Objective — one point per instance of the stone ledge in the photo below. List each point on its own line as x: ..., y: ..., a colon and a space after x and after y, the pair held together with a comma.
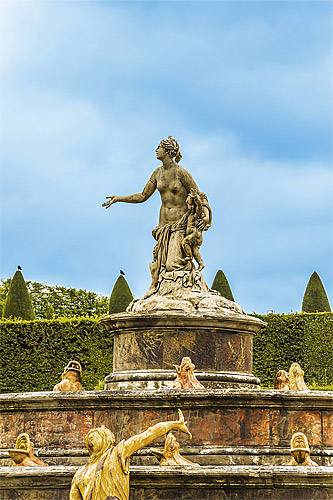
x: 157, y: 477
x: 137, y: 321
x: 204, y: 455
x: 170, y: 398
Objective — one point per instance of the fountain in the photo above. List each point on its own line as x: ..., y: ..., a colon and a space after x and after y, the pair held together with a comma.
x: 240, y: 433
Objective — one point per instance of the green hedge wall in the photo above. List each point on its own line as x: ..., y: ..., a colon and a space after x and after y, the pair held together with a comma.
x: 303, y: 338
x: 34, y: 353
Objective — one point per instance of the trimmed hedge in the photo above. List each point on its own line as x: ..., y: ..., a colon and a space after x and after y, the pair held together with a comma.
x: 303, y: 338
x: 34, y: 353
x: 121, y: 296
x: 315, y: 298
x: 18, y: 301
x: 221, y: 284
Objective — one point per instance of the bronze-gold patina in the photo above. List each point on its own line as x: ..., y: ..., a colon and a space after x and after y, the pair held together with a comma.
x: 300, y: 451
x: 281, y: 380
x: 23, y: 453
x: 185, y: 376
x: 71, y: 378
x: 106, y: 475
x: 170, y: 454
x: 296, y: 380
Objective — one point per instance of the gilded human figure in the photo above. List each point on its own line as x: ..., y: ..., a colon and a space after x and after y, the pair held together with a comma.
x: 106, y: 475
x: 300, y: 451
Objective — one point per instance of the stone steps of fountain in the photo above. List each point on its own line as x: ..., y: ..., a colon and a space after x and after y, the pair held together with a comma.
x: 180, y: 483
x: 203, y: 455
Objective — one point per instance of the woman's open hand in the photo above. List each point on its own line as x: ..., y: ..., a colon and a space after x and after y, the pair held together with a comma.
x: 113, y: 199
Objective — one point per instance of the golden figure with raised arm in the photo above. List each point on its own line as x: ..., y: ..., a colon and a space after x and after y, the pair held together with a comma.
x: 106, y: 475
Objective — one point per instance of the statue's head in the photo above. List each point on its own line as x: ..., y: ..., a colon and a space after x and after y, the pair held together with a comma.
x: 299, y: 447
x: 171, y: 146
x: 99, y: 440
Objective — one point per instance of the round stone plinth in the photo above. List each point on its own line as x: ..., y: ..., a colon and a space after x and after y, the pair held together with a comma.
x: 163, y: 379
x: 147, y: 346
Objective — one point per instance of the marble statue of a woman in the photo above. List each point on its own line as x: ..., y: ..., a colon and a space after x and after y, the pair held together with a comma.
x: 174, y: 275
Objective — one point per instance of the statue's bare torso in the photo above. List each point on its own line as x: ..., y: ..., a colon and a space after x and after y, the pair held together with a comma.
x: 173, y: 184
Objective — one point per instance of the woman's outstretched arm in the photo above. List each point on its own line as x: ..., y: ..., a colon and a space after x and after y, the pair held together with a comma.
x: 146, y: 193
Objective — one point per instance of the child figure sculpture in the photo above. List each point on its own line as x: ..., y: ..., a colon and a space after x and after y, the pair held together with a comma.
x: 195, y: 225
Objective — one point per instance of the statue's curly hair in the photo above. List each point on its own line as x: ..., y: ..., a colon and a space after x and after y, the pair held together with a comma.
x: 171, y: 146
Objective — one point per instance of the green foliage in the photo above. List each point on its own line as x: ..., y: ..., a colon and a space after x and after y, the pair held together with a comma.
x: 100, y: 386
x: 315, y: 298
x: 34, y: 353
x: 66, y: 302
x: 49, y: 312
x: 221, y: 284
x: 18, y: 301
x: 121, y: 296
x: 303, y: 338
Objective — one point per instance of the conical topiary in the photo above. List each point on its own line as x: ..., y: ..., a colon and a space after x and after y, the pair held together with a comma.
x: 18, y: 301
x: 121, y: 296
x: 221, y: 284
x: 315, y: 298
x: 49, y: 311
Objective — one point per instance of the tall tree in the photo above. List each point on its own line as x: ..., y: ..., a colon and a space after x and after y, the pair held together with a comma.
x: 18, y: 302
x: 121, y: 296
x: 315, y: 297
x: 221, y: 284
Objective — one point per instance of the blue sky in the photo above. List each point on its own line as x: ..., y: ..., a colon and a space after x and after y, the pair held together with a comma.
x: 89, y: 88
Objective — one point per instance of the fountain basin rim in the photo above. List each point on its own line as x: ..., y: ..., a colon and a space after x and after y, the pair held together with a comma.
x: 164, y: 398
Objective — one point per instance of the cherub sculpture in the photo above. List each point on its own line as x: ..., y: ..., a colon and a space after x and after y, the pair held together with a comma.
x: 106, y: 475
x: 23, y: 453
x: 71, y: 378
x: 300, y: 451
x: 194, y: 226
x: 281, y: 380
x: 170, y: 455
x: 185, y: 376
x: 296, y: 380
x: 293, y: 380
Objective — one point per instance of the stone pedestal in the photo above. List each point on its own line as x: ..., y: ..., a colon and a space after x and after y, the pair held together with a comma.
x: 147, y: 345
